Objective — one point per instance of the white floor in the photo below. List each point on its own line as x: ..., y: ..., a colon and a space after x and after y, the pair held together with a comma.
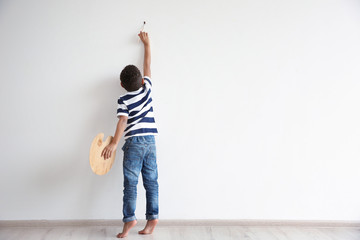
x: 183, y: 232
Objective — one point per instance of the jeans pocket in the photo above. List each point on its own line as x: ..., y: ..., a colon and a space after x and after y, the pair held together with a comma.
x: 125, y: 146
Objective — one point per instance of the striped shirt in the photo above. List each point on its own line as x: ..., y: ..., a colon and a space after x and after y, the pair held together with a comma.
x: 137, y: 106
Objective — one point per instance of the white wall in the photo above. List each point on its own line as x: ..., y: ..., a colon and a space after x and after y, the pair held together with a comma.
x: 257, y: 106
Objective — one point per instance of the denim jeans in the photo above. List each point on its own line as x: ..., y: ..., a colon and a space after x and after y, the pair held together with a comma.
x: 140, y: 155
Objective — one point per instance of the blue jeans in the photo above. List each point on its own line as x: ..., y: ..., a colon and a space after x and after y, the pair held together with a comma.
x: 140, y: 155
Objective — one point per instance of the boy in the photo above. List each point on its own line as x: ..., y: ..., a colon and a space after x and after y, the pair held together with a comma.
x: 136, y: 121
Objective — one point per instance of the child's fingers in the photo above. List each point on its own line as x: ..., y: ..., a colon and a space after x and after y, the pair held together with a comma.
x: 105, y: 153
x: 143, y: 35
x: 108, y: 155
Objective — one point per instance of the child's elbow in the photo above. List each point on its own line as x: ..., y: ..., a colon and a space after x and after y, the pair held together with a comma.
x: 123, y: 119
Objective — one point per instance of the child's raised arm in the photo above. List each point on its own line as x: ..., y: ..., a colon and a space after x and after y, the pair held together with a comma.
x: 147, y: 56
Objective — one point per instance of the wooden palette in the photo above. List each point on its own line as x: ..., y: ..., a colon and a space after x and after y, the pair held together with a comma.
x: 98, y: 164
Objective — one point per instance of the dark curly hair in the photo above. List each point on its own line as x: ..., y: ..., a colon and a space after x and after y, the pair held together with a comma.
x: 131, y: 78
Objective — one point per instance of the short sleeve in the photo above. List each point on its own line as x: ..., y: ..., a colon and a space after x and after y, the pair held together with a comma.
x: 147, y: 81
x: 122, y: 108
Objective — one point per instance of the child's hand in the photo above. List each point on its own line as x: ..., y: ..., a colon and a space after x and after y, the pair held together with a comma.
x: 144, y: 38
x: 108, y: 150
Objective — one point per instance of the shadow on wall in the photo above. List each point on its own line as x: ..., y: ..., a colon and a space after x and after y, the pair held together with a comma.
x: 65, y: 178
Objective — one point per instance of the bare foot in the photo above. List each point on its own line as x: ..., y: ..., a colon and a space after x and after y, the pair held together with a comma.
x: 150, y: 226
x: 126, y: 229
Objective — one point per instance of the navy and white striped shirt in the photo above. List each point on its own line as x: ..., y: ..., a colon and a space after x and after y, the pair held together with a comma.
x: 137, y: 106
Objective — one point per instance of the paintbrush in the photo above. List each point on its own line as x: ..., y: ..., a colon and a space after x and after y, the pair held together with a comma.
x: 142, y: 29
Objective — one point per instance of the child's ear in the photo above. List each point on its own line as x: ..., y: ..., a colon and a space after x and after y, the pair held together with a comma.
x: 122, y: 84
x: 143, y: 82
